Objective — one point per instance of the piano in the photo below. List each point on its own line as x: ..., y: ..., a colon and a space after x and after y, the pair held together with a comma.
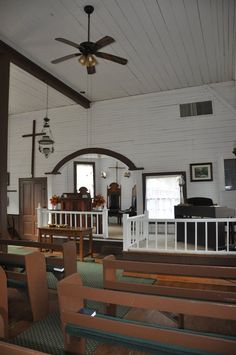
x: 191, y: 211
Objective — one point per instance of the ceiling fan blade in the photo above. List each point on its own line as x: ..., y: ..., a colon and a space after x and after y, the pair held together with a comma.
x: 104, y: 42
x: 66, y: 41
x: 91, y: 70
x: 66, y: 57
x: 112, y: 57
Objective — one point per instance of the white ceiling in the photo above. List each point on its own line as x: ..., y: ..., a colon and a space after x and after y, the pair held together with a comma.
x: 169, y: 44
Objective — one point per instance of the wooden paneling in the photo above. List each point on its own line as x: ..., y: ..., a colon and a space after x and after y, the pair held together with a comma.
x: 147, y: 129
x: 169, y: 44
x: 21, y: 83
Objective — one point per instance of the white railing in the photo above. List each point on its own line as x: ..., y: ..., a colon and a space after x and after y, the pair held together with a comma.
x: 200, y: 235
x: 98, y: 220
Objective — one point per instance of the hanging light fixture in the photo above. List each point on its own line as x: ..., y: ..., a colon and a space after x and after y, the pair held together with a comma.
x: 88, y: 59
x: 46, y: 142
x: 103, y: 174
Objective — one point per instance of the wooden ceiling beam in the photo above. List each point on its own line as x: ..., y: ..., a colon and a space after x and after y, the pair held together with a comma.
x: 26, y: 64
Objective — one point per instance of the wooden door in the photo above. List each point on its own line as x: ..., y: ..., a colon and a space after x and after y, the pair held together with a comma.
x: 32, y: 192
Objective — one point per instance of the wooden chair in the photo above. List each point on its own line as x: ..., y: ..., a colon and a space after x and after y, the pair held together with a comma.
x: 114, y: 201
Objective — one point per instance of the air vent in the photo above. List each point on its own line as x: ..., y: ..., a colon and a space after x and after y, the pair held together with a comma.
x: 196, y: 109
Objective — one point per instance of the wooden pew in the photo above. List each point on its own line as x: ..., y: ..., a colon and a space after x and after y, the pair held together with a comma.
x: 110, y: 281
x: 172, y: 272
x: 77, y: 327
x: 34, y: 279
x: 68, y: 249
x: 3, y: 305
x: 11, y: 349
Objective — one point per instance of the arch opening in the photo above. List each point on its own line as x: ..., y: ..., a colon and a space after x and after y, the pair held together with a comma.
x: 95, y: 150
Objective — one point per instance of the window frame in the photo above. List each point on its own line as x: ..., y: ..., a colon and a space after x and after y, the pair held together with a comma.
x: 92, y: 163
x: 145, y: 175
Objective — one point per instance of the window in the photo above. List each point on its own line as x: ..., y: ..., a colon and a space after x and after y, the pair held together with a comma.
x: 196, y: 109
x: 84, y: 175
x: 230, y: 174
x: 162, y: 193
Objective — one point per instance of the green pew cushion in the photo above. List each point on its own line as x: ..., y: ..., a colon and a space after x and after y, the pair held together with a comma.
x: 132, y: 342
x: 16, y: 284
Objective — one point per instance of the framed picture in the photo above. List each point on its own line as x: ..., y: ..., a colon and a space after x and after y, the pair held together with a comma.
x: 201, y: 172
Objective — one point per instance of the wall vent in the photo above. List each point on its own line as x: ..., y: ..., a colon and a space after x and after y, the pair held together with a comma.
x: 196, y: 109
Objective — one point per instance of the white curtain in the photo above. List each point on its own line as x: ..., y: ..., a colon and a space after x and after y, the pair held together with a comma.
x: 162, y: 194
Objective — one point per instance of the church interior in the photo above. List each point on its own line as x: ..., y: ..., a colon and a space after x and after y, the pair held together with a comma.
x: 118, y: 177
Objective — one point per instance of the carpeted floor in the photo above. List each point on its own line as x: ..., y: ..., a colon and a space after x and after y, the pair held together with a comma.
x: 46, y: 335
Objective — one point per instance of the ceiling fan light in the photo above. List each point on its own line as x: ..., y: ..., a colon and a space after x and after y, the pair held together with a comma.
x: 83, y: 59
x: 91, y: 60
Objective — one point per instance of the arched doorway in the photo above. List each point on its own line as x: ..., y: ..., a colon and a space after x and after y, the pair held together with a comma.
x: 100, y: 151
x: 95, y: 150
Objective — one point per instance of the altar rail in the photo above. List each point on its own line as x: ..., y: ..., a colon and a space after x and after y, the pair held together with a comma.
x: 98, y: 220
x: 173, y: 235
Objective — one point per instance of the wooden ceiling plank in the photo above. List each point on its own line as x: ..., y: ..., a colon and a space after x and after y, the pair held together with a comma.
x: 178, y: 50
x: 139, y: 62
x: 208, y: 35
x: 182, y: 21
x: 220, y: 27
x: 168, y: 48
x: 161, y: 68
x: 131, y: 22
x: 232, y: 38
x: 34, y: 69
x: 195, y: 28
x: 215, y: 40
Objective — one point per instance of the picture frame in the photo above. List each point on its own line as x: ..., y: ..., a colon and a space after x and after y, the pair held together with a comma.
x: 201, y: 172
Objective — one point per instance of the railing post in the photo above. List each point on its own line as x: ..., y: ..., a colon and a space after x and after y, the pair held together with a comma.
x: 39, y: 210
x: 146, y: 225
x: 105, y: 223
x: 47, y: 216
x: 126, y: 232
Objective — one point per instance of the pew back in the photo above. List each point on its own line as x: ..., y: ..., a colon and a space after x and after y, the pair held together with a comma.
x: 11, y: 349
x: 34, y: 277
x: 73, y: 295
x: 68, y: 249
x: 110, y: 280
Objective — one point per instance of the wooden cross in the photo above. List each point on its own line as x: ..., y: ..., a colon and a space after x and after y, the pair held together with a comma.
x: 117, y: 167
x: 33, y: 135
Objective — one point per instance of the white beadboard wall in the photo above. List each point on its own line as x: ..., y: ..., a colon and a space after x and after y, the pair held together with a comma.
x: 147, y: 129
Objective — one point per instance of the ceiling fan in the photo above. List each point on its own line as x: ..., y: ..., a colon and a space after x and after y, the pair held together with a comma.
x: 89, y: 50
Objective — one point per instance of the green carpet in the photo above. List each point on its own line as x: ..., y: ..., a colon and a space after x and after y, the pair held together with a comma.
x: 46, y: 335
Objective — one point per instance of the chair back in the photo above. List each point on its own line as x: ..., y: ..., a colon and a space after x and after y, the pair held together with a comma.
x: 114, y: 196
